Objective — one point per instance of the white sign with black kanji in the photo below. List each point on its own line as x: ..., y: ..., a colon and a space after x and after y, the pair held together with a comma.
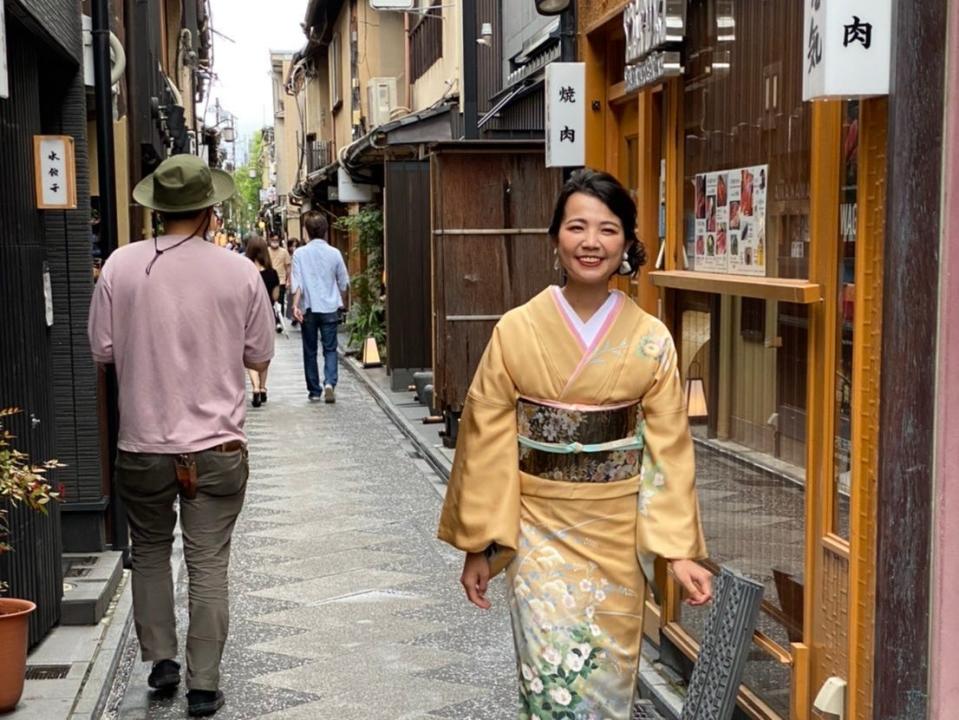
x: 846, y: 48
x: 55, y: 168
x: 565, y: 114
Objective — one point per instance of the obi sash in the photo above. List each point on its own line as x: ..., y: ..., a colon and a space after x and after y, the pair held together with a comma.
x: 573, y: 443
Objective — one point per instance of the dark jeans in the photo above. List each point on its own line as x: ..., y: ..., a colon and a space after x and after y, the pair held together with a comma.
x: 324, y: 325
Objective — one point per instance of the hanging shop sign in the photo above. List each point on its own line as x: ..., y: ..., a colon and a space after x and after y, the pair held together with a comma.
x: 731, y: 221
x: 565, y: 114
x: 652, y: 69
x: 55, y: 171
x: 847, y: 48
x: 651, y: 26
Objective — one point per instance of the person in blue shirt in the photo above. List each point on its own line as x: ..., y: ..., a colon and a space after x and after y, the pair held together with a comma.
x: 320, y: 283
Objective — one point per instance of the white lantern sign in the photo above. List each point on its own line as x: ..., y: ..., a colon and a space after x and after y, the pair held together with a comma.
x: 846, y: 48
x: 565, y: 114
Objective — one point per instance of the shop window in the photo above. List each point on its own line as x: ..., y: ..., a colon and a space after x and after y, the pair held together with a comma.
x: 743, y: 111
x: 749, y: 462
x: 748, y: 131
x: 848, y: 192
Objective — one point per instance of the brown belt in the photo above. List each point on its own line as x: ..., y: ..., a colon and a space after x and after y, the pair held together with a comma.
x: 231, y: 446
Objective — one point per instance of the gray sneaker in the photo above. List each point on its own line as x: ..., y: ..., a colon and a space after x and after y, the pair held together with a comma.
x: 329, y: 394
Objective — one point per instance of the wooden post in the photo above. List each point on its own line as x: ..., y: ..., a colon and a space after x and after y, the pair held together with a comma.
x: 908, y: 383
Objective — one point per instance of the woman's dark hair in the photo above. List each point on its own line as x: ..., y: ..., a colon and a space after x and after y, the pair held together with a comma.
x: 257, y: 251
x: 608, y: 190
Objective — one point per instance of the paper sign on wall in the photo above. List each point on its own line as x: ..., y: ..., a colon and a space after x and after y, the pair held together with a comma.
x: 731, y: 221
x: 56, y: 172
x: 565, y: 114
x: 846, y: 49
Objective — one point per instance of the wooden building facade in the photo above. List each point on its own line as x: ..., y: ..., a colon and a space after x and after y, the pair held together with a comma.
x: 788, y: 354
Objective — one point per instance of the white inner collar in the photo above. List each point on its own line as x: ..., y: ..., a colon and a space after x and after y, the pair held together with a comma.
x: 588, y: 330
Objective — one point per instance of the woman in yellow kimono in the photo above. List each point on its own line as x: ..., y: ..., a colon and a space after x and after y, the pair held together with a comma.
x: 574, y: 467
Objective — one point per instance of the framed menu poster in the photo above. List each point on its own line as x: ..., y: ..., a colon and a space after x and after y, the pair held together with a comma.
x: 731, y: 221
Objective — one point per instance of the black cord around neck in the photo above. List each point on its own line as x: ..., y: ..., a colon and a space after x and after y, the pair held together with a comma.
x: 205, y: 225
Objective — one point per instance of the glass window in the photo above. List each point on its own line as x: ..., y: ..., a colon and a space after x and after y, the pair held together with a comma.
x: 849, y: 183
x: 743, y: 110
x: 747, y: 150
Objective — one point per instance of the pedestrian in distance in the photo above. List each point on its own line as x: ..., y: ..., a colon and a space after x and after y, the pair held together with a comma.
x: 320, y: 284
x: 181, y: 320
x: 574, y: 467
x: 291, y: 246
x: 257, y: 251
x: 282, y: 263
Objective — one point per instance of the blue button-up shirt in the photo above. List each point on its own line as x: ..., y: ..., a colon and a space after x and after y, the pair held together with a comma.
x: 319, y: 271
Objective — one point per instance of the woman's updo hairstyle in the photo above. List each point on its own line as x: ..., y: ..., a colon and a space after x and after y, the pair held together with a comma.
x: 608, y: 190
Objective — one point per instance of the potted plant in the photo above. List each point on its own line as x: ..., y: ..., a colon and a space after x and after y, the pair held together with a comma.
x: 21, y: 483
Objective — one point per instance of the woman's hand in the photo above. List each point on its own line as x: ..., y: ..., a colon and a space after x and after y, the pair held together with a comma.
x: 475, y: 579
x: 695, y: 579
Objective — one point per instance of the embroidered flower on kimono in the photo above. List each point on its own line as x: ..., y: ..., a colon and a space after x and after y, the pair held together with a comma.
x: 585, y: 649
x: 590, y: 612
x: 548, y: 557
x: 600, y: 596
x: 652, y: 347
x: 543, y: 608
x: 659, y: 480
x: 536, y: 685
x: 603, y: 582
x: 574, y: 662
x: 569, y: 601
x: 644, y: 497
x: 585, y: 585
x: 595, y: 630
x: 520, y: 587
x: 560, y: 696
x: 552, y: 656
x: 527, y: 672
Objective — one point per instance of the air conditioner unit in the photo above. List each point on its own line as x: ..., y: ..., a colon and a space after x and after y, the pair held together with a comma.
x: 381, y: 94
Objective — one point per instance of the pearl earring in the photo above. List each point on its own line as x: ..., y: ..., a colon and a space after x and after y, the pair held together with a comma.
x: 556, y: 260
x: 625, y: 268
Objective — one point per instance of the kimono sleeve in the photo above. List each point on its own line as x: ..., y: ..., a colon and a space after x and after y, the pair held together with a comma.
x: 482, y: 499
x: 669, y: 524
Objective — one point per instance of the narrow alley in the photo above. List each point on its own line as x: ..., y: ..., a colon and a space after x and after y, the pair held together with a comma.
x: 343, y: 603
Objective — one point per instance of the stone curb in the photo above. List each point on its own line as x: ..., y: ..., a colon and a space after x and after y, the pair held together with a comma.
x: 92, y: 698
x: 440, y: 465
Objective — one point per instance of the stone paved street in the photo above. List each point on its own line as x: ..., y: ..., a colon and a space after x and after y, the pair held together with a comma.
x: 343, y: 603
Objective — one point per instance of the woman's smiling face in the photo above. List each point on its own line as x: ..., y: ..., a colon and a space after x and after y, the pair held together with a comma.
x: 591, y: 240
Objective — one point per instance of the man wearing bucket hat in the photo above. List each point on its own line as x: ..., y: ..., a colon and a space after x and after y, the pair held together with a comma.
x: 181, y: 319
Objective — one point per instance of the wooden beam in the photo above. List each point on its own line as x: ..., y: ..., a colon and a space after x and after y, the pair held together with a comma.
x: 802, y: 292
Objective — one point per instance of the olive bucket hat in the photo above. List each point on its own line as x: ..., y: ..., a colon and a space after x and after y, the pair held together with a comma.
x: 183, y: 183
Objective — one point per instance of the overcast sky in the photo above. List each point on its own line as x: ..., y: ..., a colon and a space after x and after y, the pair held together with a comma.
x: 243, y: 67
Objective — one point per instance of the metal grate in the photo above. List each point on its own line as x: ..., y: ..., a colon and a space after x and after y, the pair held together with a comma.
x: 645, y: 710
x: 47, y: 672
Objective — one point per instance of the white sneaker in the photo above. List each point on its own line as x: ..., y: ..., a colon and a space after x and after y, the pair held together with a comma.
x: 329, y: 394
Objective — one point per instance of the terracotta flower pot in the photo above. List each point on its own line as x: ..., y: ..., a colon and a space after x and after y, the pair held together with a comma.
x: 13, y: 649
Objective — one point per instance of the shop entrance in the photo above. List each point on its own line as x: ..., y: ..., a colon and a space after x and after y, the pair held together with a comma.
x: 772, y: 222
